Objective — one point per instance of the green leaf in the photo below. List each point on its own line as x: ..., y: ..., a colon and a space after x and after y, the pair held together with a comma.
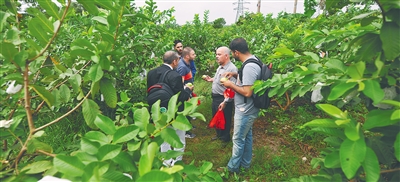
x: 198, y: 116
x: 3, y: 19
x: 361, y: 16
x: 373, y: 90
x: 206, y: 167
x: 82, y: 53
x: 330, y: 123
x: 397, y: 147
x: 169, y: 135
x: 108, y: 151
x: 100, y: 20
x: 44, y: 94
x: 84, y: 43
x: 125, y: 134
x: 8, y: 51
x: 352, y: 132
x: 50, y: 7
x: 370, y: 45
x: 182, y: 123
x: 21, y: 57
x: 44, y: 21
x: 89, y: 6
x: 105, y: 124
x: 395, y: 115
x: 332, y: 160
x: 124, y: 159
x: 97, y: 136
x: 336, y: 64
x: 352, y: 153
x: 124, y: 97
x: 90, y: 147
x: 340, y: 89
x: 342, y: 122
x: 109, y: 92
x: 390, y: 40
x: 371, y: 166
x: 378, y: 118
x: 37, y: 167
x: 90, y: 110
x: 65, y: 93
x: 134, y: 145
x: 356, y: 71
x: 314, y: 56
x: 146, y: 160
x: 70, y: 165
x: 95, y: 73
x: 36, y: 30
x: 106, y: 5
x: 156, y: 176
x: 94, y: 171
x: 141, y: 118
x: 35, y: 145
x: 332, y: 110
x: 283, y: 51
x: 391, y: 102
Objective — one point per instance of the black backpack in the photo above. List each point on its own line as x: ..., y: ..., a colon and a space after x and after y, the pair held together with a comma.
x: 160, y: 91
x: 260, y: 101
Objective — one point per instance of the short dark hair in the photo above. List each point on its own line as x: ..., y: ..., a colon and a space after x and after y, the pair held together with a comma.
x: 239, y: 44
x: 186, y: 51
x: 177, y: 41
x: 170, y: 56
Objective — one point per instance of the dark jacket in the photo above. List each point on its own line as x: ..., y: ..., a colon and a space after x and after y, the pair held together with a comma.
x: 173, y: 79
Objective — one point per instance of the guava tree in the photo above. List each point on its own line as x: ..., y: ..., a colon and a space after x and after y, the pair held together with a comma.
x: 359, y: 65
x: 50, y: 64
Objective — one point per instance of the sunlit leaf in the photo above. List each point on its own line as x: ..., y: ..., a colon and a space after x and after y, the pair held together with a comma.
x: 108, y: 151
x: 146, y: 160
x: 89, y: 6
x: 332, y: 160
x: 352, y: 153
x: 90, y: 110
x: 156, y: 176
x: 371, y: 166
x: 340, y: 89
x: 182, y: 123
x: 169, y: 135
x: 109, y: 92
x: 8, y: 50
x: 332, y: 110
x: 96, y: 73
x: 70, y: 165
x: 105, y: 124
x: 50, y: 7
x: 125, y: 134
x: 44, y: 94
x: 356, y: 71
x: 373, y: 90
x: 321, y: 123
x: 37, y: 167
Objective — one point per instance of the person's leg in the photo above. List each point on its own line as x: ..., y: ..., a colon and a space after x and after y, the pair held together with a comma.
x: 240, y: 129
x: 226, y: 133
x: 248, y: 146
x: 164, y: 148
x: 181, y: 135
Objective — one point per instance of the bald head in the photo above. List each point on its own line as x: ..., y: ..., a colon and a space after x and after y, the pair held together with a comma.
x: 222, y: 55
x: 170, y: 56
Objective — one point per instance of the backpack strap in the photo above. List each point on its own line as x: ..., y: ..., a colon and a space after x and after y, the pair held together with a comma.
x: 240, y: 71
x: 161, y: 80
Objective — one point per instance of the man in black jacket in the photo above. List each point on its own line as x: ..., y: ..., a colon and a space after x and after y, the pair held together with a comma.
x: 174, y: 80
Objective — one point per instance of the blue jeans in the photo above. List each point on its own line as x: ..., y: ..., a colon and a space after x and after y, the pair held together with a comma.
x: 242, y: 150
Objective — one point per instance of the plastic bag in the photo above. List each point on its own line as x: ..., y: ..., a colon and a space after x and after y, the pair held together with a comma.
x: 218, y: 121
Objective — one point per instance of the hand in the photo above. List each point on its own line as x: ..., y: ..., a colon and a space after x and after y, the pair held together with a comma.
x: 226, y: 83
x: 207, y: 78
x: 222, y: 106
x: 229, y: 75
x: 190, y: 86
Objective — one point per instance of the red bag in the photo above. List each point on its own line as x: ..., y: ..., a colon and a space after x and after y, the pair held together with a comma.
x: 218, y: 121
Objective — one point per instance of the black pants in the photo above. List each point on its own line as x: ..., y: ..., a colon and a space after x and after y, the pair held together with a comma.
x: 224, y: 135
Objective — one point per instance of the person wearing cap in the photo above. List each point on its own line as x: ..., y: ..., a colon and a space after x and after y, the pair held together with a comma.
x: 219, y: 101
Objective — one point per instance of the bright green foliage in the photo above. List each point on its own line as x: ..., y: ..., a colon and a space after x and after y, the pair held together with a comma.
x: 94, y: 55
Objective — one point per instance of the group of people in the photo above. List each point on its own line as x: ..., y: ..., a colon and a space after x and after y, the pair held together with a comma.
x: 182, y: 61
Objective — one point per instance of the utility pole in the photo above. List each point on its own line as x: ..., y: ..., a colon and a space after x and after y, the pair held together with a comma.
x: 295, y: 6
x: 258, y: 6
x: 240, y: 9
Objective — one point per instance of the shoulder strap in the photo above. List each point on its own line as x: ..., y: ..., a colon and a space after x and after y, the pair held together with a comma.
x: 163, y: 76
x: 251, y: 60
